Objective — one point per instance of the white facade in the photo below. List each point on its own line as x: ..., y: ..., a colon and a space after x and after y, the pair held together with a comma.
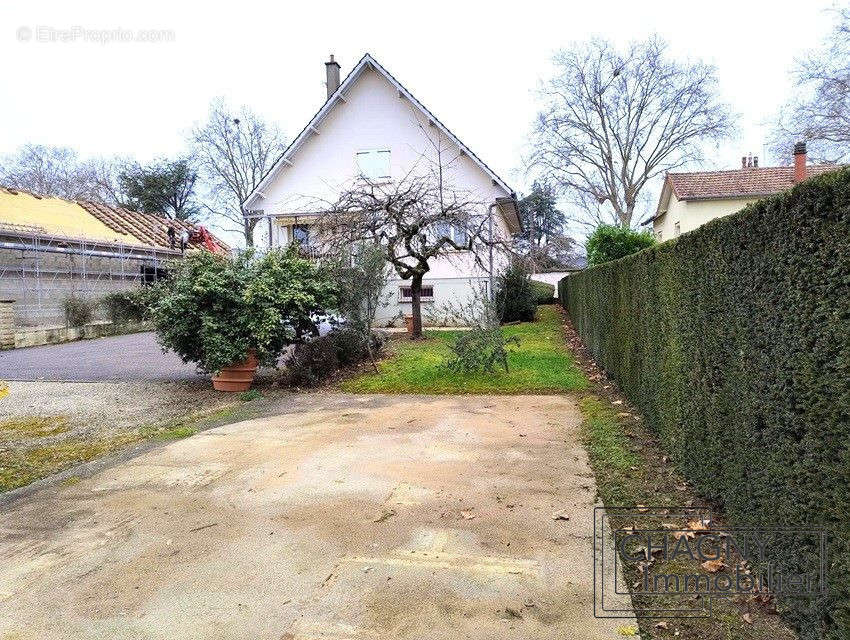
x: 372, y: 125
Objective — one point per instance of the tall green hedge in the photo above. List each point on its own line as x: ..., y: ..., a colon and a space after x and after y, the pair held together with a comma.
x: 734, y: 342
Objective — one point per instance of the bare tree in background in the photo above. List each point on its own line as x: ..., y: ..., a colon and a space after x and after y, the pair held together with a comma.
x: 412, y: 221
x: 820, y: 113
x: 233, y: 151
x: 59, y: 172
x: 612, y: 122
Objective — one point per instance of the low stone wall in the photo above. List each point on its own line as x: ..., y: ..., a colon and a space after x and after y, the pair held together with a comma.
x: 14, y: 337
x: 35, y: 336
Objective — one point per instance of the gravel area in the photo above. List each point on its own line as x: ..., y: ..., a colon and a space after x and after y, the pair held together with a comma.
x: 104, y: 408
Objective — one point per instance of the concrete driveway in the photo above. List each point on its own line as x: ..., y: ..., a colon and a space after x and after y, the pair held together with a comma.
x: 345, y: 518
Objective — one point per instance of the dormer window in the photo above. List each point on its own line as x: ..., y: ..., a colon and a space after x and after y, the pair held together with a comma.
x: 374, y: 165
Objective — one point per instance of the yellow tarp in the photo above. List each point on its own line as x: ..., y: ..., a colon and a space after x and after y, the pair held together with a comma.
x: 56, y: 217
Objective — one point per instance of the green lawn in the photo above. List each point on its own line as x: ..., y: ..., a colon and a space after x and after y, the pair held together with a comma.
x: 541, y: 363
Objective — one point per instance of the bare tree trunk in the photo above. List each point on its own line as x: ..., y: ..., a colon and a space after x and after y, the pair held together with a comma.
x: 416, y: 306
x: 249, y: 232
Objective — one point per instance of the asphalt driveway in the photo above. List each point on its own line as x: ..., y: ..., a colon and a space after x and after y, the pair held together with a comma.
x: 345, y: 518
x: 135, y: 356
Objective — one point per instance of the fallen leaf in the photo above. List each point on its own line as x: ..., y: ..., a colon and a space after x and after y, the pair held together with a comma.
x: 560, y: 515
x: 713, y: 566
x: 697, y: 525
x: 628, y: 630
x: 662, y: 625
x: 747, y: 618
x: 467, y: 515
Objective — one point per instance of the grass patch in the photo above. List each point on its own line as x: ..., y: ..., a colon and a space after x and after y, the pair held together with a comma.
x: 14, y: 429
x: 541, y: 363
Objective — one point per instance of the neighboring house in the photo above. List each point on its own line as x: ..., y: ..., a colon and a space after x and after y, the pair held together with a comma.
x: 372, y: 126
x: 689, y: 200
x: 51, y: 248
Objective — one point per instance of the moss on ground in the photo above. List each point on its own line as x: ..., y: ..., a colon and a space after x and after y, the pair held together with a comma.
x: 15, y: 429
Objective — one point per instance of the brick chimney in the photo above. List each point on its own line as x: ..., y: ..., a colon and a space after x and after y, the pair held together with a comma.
x: 332, y: 71
x: 799, y: 162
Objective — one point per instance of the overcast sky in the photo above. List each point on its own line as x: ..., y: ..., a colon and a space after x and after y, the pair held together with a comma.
x: 475, y: 65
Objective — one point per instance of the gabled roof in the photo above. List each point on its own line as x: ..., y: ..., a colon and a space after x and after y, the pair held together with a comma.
x: 367, y: 61
x: 149, y: 228
x: 39, y: 215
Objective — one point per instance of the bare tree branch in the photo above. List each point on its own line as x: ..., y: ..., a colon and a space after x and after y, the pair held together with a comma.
x: 820, y: 112
x: 233, y: 151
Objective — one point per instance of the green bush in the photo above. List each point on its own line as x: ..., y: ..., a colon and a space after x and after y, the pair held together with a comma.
x: 733, y: 342
x: 515, y: 298
x: 78, y: 311
x: 124, y: 307
x: 608, y: 242
x: 214, y: 310
x: 544, y: 293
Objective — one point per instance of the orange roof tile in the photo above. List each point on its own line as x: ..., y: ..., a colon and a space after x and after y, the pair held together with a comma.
x: 738, y: 183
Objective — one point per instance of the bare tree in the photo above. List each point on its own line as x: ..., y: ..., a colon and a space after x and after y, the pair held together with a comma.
x: 820, y: 112
x: 234, y: 150
x: 412, y: 221
x: 59, y: 172
x: 611, y: 122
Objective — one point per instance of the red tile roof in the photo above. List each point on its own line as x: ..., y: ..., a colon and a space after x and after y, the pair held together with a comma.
x: 738, y: 183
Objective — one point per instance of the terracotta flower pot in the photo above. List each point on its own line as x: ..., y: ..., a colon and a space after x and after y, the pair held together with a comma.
x: 408, y: 322
x: 237, y: 377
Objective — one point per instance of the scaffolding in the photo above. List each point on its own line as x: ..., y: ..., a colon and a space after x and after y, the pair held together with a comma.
x: 39, y: 269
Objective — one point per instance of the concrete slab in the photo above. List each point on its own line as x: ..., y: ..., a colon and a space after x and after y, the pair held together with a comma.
x: 347, y: 517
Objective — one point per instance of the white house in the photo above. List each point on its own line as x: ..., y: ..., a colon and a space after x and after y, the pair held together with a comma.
x: 371, y: 125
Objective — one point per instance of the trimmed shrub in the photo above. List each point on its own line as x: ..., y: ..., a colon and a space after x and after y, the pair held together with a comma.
x: 78, y: 311
x: 733, y: 342
x: 214, y: 310
x: 544, y: 293
x: 609, y: 242
x: 515, y: 299
x: 124, y: 307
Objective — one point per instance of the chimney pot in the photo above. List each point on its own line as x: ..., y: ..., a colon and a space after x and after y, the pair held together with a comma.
x: 755, y: 161
x: 743, y: 162
x: 332, y: 73
x: 799, y: 162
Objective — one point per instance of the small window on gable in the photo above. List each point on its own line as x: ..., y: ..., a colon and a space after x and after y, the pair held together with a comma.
x: 658, y: 235
x: 405, y: 294
x: 677, y: 229
x: 374, y: 165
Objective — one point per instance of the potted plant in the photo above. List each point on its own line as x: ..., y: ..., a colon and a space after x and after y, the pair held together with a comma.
x: 229, y: 315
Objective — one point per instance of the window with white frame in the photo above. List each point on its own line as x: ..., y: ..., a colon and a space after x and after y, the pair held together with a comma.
x: 677, y: 229
x: 455, y: 232
x: 658, y: 235
x: 374, y: 165
x: 405, y: 293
